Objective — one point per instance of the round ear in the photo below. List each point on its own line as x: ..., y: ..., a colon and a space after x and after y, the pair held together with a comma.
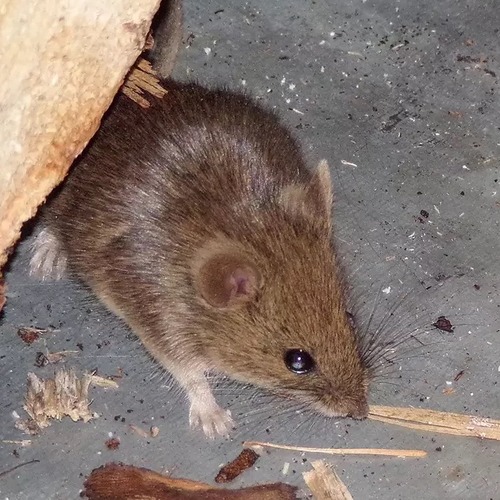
x: 322, y: 186
x: 315, y: 198
x: 226, y: 279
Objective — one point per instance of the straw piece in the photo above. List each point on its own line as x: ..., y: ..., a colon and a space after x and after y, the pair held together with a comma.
x: 324, y: 482
x: 438, y: 421
x: 341, y: 451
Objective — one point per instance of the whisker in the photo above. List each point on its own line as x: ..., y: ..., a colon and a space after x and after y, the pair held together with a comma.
x: 381, y: 344
x: 375, y: 304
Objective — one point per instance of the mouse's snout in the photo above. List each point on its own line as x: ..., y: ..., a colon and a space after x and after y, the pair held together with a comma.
x: 356, y: 408
x: 351, y: 403
x: 352, y: 408
x: 359, y: 410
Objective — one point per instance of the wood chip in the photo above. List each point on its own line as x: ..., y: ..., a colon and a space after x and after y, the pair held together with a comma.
x: 64, y: 395
x: 125, y: 482
x: 437, y: 421
x: 112, y: 443
x: 444, y: 324
x: 50, y: 358
x: 139, y: 431
x: 20, y: 442
x: 233, y: 469
x: 29, y: 334
x: 104, y: 382
x: 141, y: 79
x: 286, y: 468
x: 149, y: 42
x: 324, y: 483
x: 340, y: 451
x: 153, y: 431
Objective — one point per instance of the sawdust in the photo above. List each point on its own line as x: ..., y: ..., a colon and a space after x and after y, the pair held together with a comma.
x: 65, y: 395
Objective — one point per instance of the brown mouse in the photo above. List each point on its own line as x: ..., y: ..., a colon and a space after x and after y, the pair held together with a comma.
x: 198, y: 222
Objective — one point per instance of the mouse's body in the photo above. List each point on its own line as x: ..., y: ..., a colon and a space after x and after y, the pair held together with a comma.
x: 198, y: 223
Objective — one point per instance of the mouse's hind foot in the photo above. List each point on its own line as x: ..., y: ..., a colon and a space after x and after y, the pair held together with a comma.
x: 48, y: 260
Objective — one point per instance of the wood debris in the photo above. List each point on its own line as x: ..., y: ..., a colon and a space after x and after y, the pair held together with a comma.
x: 438, y: 421
x: 233, y: 469
x: 50, y: 358
x: 104, y: 382
x: 142, y: 79
x: 29, y: 334
x: 153, y: 431
x: 124, y: 482
x: 64, y: 395
x: 324, y: 482
x: 112, y: 443
x: 340, y: 451
x: 23, y: 443
x: 444, y: 324
x: 149, y: 44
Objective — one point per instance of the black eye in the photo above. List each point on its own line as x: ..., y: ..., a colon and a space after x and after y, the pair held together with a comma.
x: 299, y: 361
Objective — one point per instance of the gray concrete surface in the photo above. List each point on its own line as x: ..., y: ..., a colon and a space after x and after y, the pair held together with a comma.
x: 402, y: 98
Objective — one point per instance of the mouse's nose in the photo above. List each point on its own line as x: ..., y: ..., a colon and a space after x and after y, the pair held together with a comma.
x: 337, y: 404
x: 358, y: 409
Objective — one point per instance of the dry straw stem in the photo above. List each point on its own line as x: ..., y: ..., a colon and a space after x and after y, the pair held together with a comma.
x: 340, y: 451
x: 20, y: 442
x: 324, y: 482
x: 438, y: 421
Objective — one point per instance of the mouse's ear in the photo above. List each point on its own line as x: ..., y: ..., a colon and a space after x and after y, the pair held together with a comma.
x: 322, y: 186
x: 226, y: 279
x: 313, y: 199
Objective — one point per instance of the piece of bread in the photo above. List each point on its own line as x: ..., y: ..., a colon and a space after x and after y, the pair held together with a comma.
x: 61, y: 65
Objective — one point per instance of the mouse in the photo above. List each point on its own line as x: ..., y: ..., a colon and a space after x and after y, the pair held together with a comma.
x: 199, y: 223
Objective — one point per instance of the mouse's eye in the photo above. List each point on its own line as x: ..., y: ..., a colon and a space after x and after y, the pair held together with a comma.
x: 299, y: 361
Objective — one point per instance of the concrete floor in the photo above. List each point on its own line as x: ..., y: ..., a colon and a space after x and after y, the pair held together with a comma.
x: 402, y: 98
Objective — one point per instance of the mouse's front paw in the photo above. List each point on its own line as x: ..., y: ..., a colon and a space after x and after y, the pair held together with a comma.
x: 214, y: 420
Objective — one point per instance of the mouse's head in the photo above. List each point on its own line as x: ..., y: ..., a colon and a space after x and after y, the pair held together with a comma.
x: 273, y: 308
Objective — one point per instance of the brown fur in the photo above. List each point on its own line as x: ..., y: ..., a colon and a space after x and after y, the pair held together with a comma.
x: 203, y: 189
